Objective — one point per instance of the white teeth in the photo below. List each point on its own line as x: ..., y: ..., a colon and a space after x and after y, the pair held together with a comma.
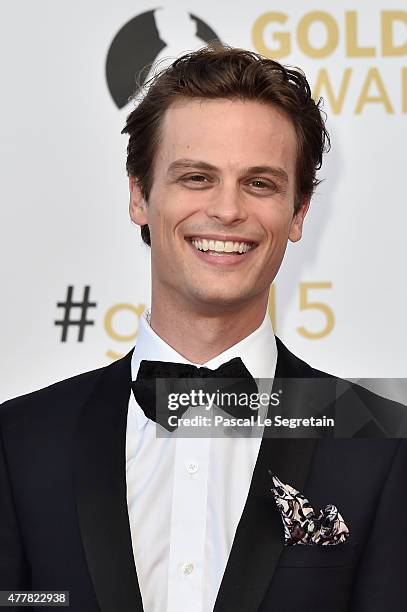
x: 220, y: 246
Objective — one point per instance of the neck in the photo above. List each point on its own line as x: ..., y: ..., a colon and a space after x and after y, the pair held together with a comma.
x: 202, y: 335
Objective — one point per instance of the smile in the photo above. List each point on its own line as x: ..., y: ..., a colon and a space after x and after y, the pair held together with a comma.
x: 221, y: 252
x: 221, y: 246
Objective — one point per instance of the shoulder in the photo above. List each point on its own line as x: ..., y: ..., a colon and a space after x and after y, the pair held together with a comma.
x: 66, y: 393
x: 297, y: 367
x: 370, y: 414
x: 386, y: 413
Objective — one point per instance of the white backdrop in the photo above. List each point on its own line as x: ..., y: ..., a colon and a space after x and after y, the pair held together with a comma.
x: 64, y: 212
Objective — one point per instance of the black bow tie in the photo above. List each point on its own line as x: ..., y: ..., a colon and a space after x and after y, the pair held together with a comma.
x: 231, y: 377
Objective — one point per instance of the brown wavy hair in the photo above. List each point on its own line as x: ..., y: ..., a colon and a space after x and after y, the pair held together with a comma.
x: 218, y: 71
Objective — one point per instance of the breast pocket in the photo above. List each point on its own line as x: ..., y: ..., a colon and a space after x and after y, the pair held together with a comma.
x: 339, y: 555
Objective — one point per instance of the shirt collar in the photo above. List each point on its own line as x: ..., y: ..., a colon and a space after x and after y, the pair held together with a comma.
x: 258, y: 352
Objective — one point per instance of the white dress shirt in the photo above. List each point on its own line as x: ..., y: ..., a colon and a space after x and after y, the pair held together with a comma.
x: 185, y: 495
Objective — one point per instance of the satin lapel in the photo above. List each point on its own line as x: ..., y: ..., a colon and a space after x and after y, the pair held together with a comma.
x: 100, y: 485
x: 259, y: 538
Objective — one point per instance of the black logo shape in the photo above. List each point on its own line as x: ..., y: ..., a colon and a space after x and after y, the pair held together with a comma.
x: 145, y: 39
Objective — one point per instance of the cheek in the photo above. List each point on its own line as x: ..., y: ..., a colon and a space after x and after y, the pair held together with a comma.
x: 156, y: 212
x: 277, y: 224
x: 168, y: 207
x: 163, y: 223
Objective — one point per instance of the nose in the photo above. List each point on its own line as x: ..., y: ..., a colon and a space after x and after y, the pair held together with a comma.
x: 227, y: 205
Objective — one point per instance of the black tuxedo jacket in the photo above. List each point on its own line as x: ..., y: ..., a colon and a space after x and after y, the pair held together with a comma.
x: 64, y: 522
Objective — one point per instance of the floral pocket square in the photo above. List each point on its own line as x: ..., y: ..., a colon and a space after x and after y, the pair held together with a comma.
x: 301, y: 523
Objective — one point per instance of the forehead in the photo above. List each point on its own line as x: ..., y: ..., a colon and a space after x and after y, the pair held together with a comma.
x: 228, y: 133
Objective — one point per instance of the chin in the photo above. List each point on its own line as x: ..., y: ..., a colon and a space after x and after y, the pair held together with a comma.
x: 218, y: 298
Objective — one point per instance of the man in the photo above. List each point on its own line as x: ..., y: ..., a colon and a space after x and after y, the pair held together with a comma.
x: 98, y: 499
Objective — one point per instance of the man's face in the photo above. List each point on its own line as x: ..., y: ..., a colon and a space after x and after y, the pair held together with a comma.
x: 224, y: 179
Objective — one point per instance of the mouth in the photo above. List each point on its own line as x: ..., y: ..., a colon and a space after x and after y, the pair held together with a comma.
x: 215, y: 251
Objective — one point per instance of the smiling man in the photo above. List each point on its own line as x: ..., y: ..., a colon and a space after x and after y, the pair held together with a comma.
x: 226, y: 171
x: 101, y: 496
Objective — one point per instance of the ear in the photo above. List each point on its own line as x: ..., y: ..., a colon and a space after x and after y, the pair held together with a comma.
x: 297, y: 221
x: 138, y: 205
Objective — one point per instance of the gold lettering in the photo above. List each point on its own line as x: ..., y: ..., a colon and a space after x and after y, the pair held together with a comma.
x: 282, y: 38
x: 352, y: 47
x: 306, y: 304
x: 108, y: 322
x: 331, y: 29
x: 373, y: 77
x: 271, y: 307
x: 323, y: 83
x: 388, y: 19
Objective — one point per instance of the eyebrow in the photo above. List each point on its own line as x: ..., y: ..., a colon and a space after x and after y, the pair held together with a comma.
x: 183, y: 164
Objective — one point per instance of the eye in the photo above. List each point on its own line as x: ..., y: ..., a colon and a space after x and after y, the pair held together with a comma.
x: 195, y: 178
x: 263, y: 187
x: 260, y: 184
x: 195, y: 181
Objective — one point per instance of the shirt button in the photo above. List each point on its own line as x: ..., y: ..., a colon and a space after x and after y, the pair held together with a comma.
x: 187, y: 568
x: 192, y: 468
